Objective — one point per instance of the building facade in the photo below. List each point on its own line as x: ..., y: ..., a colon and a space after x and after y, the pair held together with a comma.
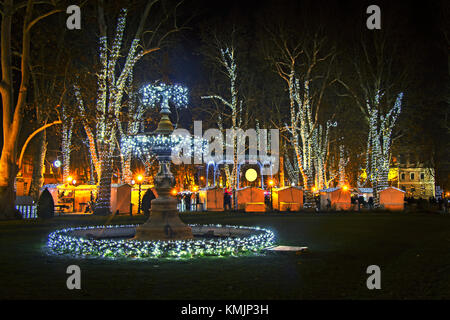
x: 417, y: 182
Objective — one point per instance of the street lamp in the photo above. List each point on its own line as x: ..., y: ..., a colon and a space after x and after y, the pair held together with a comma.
x: 139, y: 179
x: 57, y: 163
x: 271, y: 198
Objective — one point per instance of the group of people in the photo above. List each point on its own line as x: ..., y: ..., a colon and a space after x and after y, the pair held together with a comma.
x: 441, y: 203
x: 361, y: 201
x: 189, y: 200
x: 227, y: 199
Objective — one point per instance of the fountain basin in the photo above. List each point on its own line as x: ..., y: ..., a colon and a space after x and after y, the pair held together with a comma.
x: 115, y: 241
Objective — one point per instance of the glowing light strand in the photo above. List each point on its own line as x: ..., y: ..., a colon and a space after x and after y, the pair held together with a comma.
x: 61, y: 242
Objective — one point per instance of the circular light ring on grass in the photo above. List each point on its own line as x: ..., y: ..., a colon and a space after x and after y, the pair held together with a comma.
x: 251, y: 240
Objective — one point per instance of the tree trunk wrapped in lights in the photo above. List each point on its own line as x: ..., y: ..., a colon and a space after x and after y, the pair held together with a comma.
x: 109, y: 101
x: 306, y: 68
x: 320, y: 142
x: 297, y: 118
x: 228, y: 61
x: 66, y: 144
x: 292, y: 170
x: 135, y: 114
x: 310, y: 141
x: 379, y: 142
x: 343, y: 161
x: 381, y: 78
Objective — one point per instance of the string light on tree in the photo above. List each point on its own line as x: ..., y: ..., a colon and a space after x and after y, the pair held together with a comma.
x: 379, y: 141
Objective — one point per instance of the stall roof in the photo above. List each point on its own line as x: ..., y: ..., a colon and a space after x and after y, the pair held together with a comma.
x: 248, y: 188
x: 394, y: 189
x: 287, y: 187
x: 365, y: 190
x: 330, y: 189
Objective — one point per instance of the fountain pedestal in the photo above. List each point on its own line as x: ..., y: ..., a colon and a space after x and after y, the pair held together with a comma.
x: 164, y: 222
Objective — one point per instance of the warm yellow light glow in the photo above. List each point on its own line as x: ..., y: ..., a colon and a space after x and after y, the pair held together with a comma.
x: 202, y: 178
x: 345, y: 188
x: 69, y: 179
x: 173, y: 192
x: 271, y: 182
x: 140, y: 178
x: 195, y: 188
x: 363, y: 174
x: 393, y: 174
x: 314, y: 189
x: 251, y: 175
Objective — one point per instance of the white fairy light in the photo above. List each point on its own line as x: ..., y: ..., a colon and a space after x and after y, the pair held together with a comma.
x: 64, y: 242
x: 379, y: 142
x: 161, y: 93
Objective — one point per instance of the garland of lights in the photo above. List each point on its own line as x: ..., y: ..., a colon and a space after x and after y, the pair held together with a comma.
x: 66, y: 143
x: 61, y: 242
x: 140, y: 144
x: 162, y: 93
x: 342, y: 164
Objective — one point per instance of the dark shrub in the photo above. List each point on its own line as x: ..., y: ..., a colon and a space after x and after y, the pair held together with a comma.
x: 146, y: 202
x: 45, y: 205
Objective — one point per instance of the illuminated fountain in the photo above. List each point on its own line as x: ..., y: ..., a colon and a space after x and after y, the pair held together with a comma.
x: 163, y: 234
x: 164, y: 222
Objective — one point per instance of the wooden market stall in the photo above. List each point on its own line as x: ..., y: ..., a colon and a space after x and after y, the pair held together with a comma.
x: 335, y: 199
x: 212, y: 199
x: 135, y: 195
x: 392, y: 199
x: 251, y: 199
x: 120, y: 198
x: 69, y: 198
x: 287, y: 198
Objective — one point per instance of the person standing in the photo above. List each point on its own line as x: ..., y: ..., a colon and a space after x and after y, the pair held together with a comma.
x: 227, y: 199
x: 187, y: 201
x: 370, y: 202
x: 447, y: 204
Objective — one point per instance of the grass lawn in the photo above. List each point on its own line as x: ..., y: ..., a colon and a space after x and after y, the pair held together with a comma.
x: 412, y: 250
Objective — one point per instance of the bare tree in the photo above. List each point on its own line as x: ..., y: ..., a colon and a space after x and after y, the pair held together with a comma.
x: 306, y: 67
x: 379, y: 95
x: 227, y: 60
x: 13, y: 105
x: 111, y: 91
